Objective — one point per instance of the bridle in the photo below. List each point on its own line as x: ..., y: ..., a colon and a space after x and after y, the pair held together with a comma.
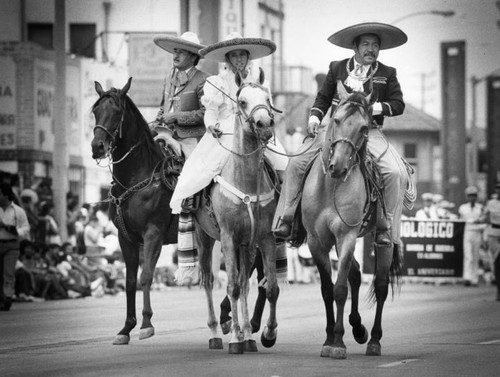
x: 356, y: 147
x: 116, y: 134
x: 249, y: 118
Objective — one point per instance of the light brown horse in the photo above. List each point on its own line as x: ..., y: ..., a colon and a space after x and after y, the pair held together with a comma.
x: 143, y: 182
x: 243, y: 202
x: 333, y: 207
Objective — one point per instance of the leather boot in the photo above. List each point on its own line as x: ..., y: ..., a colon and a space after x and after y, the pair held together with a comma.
x: 382, y: 230
x: 283, y: 230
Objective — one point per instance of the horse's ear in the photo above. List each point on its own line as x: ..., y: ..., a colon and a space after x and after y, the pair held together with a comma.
x: 342, y: 91
x: 98, y: 88
x: 262, y: 76
x: 126, y: 87
x: 237, y: 79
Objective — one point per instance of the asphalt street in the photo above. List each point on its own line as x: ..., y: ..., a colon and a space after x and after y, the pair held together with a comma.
x: 429, y: 330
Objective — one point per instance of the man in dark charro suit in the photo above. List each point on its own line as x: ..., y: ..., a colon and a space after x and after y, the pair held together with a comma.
x: 181, y: 113
x: 355, y: 73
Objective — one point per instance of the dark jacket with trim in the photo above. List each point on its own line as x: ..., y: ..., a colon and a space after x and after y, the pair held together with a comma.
x: 385, y: 85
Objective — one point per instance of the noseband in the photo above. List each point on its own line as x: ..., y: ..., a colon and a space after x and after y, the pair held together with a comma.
x: 355, y: 147
x: 249, y: 118
x: 117, y: 133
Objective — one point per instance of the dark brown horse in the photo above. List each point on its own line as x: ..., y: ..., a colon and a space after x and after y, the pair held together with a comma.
x: 140, y: 195
x: 243, y: 202
x: 333, y: 208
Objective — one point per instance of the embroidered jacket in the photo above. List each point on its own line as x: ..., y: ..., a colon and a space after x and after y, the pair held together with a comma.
x: 386, y: 88
x: 186, y: 99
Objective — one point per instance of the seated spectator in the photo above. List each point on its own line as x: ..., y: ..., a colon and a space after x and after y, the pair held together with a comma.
x: 92, y: 235
x: 26, y: 284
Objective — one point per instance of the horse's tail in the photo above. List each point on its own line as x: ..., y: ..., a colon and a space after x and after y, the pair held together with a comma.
x: 395, y: 273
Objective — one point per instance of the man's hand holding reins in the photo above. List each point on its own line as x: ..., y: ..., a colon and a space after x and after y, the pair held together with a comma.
x: 215, y: 131
x: 312, y: 126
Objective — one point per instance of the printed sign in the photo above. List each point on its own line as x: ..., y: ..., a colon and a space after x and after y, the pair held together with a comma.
x: 7, y: 103
x: 149, y: 65
x: 432, y: 248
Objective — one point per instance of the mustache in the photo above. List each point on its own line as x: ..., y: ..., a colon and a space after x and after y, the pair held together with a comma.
x: 369, y: 54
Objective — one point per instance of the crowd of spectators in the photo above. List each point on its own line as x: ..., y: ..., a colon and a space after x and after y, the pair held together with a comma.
x: 87, y: 263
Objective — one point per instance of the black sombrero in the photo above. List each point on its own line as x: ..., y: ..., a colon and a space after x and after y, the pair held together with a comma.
x: 390, y: 36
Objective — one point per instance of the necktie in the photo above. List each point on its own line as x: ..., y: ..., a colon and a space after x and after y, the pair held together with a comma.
x: 358, y: 72
x: 180, y: 79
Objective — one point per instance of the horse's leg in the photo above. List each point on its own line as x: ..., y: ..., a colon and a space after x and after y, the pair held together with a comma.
x: 268, y: 250
x: 152, y: 250
x: 322, y: 260
x: 233, y: 291
x: 245, y: 262
x: 225, y: 318
x: 345, y: 246
x: 261, y: 295
x: 358, y: 329
x: 130, y: 253
x: 205, y: 245
x: 381, y: 290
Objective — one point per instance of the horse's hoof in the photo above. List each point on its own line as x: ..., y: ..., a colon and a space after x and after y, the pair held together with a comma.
x: 121, y: 340
x: 226, y: 327
x: 148, y: 332
x: 215, y: 344
x: 361, y: 339
x: 255, y: 326
x: 338, y: 353
x: 250, y: 345
x: 373, y: 349
x: 268, y: 343
x: 236, y: 348
x: 326, y: 351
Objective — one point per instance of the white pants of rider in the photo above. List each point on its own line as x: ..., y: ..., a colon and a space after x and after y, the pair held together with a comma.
x: 472, y: 243
x: 394, y: 176
x: 207, y: 161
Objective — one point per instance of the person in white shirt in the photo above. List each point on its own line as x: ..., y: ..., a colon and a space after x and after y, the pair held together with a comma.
x: 428, y: 211
x: 472, y: 213
x: 14, y: 227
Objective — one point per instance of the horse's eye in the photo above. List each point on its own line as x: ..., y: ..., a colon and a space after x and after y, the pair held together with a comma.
x: 364, y: 130
x: 336, y: 121
x: 242, y: 103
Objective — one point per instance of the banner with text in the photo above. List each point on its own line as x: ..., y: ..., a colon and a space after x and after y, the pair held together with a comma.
x: 149, y: 65
x: 432, y: 248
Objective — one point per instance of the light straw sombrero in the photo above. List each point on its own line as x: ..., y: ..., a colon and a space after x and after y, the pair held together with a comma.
x: 257, y: 47
x: 188, y: 41
x: 390, y: 36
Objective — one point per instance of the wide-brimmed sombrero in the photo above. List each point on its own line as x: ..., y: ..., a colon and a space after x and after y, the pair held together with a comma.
x: 188, y: 41
x: 390, y: 36
x: 257, y: 47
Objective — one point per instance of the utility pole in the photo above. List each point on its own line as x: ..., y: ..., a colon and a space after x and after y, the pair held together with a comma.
x: 60, y: 155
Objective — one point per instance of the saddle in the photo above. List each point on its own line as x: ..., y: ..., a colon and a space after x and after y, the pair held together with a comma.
x: 203, y: 198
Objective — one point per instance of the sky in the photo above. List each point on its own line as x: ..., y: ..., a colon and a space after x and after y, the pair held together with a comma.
x: 308, y: 24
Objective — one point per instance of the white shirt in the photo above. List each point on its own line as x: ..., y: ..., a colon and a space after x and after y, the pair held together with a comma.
x: 470, y: 215
x: 16, y: 216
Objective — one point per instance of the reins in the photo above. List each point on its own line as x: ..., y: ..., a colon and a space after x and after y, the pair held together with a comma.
x: 242, y: 116
x: 355, y: 151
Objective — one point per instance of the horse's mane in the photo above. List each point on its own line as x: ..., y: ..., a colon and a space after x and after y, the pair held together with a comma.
x: 132, y: 112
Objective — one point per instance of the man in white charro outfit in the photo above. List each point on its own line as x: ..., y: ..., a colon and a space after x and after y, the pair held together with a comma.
x: 209, y: 157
